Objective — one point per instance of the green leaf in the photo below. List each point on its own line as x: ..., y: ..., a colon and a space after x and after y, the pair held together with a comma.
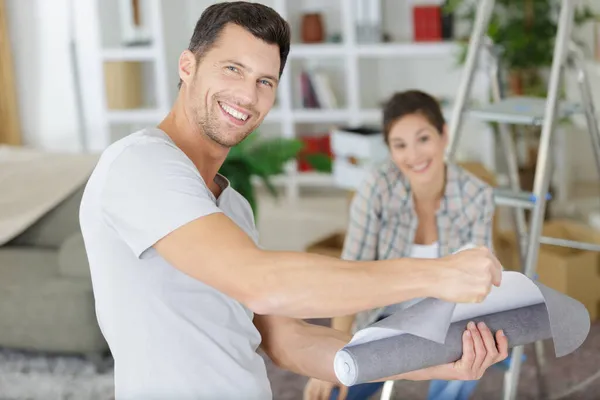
x: 320, y: 162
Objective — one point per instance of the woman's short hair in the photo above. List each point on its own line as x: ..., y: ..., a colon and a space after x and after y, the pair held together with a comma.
x: 410, y: 102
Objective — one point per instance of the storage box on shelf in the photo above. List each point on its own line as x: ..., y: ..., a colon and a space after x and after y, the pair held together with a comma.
x: 355, y: 151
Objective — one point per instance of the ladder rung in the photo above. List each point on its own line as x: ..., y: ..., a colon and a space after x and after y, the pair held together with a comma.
x: 569, y: 243
x: 509, y: 198
x: 520, y: 110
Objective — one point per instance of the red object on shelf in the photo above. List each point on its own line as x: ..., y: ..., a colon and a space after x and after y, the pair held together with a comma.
x: 313, y: 145
x: 427, y: 23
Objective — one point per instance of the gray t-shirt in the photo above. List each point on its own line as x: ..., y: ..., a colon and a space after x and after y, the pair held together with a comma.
x: 172, y: 336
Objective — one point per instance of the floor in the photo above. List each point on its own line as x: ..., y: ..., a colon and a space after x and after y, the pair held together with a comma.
x: 285, y: 226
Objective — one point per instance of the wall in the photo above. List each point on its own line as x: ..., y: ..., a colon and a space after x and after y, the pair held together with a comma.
x: 45, y: 89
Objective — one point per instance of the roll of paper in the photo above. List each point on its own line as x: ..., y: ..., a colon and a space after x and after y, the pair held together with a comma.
x: 430, y: 332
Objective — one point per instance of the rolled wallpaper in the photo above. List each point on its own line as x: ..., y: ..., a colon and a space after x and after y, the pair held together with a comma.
x: 429, y: 332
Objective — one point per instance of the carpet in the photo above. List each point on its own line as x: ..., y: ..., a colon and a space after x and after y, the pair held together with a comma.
x: 36, y: 376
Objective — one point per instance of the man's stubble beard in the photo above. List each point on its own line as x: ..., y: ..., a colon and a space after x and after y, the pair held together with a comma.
x: 208, y: 122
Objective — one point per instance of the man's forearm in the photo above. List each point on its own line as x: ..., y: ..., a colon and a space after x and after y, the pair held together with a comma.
x: 305, y: 285
x: 309, y: 350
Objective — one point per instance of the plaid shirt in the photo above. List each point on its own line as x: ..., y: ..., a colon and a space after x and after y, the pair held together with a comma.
x: 383, y: 221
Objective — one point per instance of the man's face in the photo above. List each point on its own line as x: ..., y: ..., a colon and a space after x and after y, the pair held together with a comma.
x: 233, y: 87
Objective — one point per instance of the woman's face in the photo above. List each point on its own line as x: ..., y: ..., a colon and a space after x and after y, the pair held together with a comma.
x: 417, y: 148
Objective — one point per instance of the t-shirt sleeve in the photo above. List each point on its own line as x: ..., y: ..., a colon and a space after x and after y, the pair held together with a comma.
x: 151, y: 190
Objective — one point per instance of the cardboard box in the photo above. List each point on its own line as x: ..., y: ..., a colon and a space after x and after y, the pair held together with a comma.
x: 330, y: 245
x: 573, y: 272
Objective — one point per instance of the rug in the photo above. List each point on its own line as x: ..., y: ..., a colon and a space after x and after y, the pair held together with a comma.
x: 30, y: 376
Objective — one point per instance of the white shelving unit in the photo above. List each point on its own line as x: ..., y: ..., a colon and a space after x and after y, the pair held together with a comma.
x: 97, y: 44
x: 287, y: 118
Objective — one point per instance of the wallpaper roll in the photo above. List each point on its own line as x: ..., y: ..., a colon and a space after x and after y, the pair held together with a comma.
x: 430, y: 332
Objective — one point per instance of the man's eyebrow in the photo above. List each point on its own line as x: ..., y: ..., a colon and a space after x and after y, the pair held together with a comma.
x: 245, y: 67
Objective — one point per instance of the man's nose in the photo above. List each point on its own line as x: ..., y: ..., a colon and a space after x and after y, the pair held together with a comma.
x: 247, y: 93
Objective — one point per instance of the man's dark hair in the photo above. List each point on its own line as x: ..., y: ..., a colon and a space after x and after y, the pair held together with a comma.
x: 412, y: 102
x: 261, y: 21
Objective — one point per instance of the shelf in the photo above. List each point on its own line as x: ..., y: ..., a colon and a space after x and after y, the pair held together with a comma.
x: 314, y: 178
x: 374, y: 50
x: 129, y: 54
x: 136, y: 116
x: 371, y: 115
x: 316, y: 50
x: 274, y: 115
x: 407, y: 49
x: 308, y: 178
x: 320, y: 115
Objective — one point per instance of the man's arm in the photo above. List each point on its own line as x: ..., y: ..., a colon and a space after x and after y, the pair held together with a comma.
x: 301, y: 285
x: 215, y: 251
x: 309, y: 350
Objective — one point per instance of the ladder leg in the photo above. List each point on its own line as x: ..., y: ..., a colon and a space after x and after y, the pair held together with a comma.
x: 540, y: 362
x: 482, y: 18
x: 588, y: 103
x: 387, y: 391
x: 511, y: 376
x: 542, y: 177
x: 510, y: 155
x: 508, y: 146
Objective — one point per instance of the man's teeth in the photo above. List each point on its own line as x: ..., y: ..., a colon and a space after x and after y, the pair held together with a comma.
x: 420, y: 167
x: 233, y: 112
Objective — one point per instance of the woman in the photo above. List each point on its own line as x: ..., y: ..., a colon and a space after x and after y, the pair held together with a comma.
x: 414, y: 205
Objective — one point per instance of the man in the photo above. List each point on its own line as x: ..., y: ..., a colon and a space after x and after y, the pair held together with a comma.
x: 183, y: 295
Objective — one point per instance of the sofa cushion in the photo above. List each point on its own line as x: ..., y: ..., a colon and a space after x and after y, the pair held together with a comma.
x: 42, y: 310
x: 72, y: 258
x: 26, y: 266
x: 55, y: 226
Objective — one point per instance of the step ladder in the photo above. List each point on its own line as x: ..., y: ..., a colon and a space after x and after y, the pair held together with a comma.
x: 541, y: 112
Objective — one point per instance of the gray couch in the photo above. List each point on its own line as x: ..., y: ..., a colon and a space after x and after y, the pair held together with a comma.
x: 46, y: 298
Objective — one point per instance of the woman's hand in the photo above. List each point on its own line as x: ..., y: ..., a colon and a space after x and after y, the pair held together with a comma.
x: 321, y: 390
x: 480, y: 351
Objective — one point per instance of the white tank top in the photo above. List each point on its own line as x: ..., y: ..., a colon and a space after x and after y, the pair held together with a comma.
x: 417, y: 251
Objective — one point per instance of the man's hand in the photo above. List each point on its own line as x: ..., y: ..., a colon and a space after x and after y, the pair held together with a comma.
x: 468, y: 276
x: 316, y: 389
x: 480, y: 351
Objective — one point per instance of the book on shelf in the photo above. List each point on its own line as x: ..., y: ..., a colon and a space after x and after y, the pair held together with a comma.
x: 316, y: 90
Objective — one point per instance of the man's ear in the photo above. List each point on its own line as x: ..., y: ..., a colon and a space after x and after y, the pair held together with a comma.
x: 187, y: 66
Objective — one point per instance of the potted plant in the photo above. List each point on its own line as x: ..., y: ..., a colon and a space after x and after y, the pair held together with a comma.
x: 264, y: 158
x: 525, y: 34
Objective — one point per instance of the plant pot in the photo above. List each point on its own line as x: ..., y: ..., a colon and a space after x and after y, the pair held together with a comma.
x: 525, y: 81
x: 313, y: 30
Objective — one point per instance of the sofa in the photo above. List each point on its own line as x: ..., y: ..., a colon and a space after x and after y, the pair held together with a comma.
x: 46, y: 297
